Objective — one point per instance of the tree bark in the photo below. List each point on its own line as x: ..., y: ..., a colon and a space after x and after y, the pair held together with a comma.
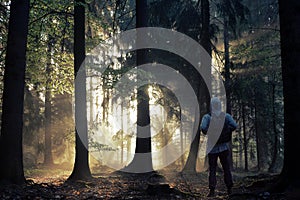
x: 11, y: 153
x: 227, y: 63
x: 257, y: 138
x: 48, y: 160
x: 203, y: 97
x: 273, y: 166
x: 227, y: 74
x: 290, y: 55
x: 245, y: 138
x: 240, y: 147
x: 142, y: 160
x: 261, y: 143
x: 81, y: 169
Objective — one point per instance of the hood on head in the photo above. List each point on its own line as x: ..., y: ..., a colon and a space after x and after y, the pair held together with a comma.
x: 215, y: 106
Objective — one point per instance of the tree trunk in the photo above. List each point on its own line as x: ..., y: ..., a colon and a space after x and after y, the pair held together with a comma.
x: 81, y: 169
x: 48, y: 160
x: 256, y: 136
x: 181, y: 145
x: 273, y: 166
x: 261, y: 143
x: 142, y: 160
x: 190, y: 165
x: 227, y: 63
x: 11, y: 153
x: 203, y: 97
x: 245, y: 138
x: 290, y: 55
x: 227, y: 75
x: 240, y: 152
x: 205, y: 34
x: 122, y: 132
x: 91, y: 120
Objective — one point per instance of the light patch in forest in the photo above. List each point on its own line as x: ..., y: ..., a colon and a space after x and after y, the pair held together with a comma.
x: 106, y: 139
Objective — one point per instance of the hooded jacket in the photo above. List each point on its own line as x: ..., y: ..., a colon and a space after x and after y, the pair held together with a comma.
x: 223, y: 122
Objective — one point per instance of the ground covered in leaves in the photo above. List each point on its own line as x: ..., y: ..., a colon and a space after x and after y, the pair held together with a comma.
x: 134, y: 186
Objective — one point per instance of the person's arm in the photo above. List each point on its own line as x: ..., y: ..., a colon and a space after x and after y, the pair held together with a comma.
x: 205, y: 124
x: 231, y: 123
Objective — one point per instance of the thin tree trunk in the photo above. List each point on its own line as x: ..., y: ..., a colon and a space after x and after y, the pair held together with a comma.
x: 245, y: 138
x: 81, y: 169
x: 227, y: 76
x: 190, y: 165
x: 227, y: 64
x: 48, y: 160
x: 261, y: 142
x: 181, y: 144
x: 240, y: 149
x: 240, y: 146
x: 272, y: 167
x: 91, y: 102
x: 205, y: 34
x: 11, y: 153
x: 257, y: 138
x: 122, y: 132
x: 128, y: 134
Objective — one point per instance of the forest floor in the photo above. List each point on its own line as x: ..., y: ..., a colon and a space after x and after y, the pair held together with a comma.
x: 136, y: 186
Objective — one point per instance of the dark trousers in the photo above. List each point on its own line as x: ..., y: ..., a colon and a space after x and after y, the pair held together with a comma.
x: 212, y: 161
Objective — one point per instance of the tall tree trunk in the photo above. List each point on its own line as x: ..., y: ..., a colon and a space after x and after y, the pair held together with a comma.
x: 261, y: 143
x: 81, y: 169
x: 203, y: 97
x: 240, y: 149
x: 273, y: 166
x: 227, y: 63
x: 91, y: 120
x: 181, y: 145
x: 142, y: 160
x: 257, y: 138
x: 227, y: 74
x: 11, y: 153
x: 245, y: 138
x: 48, y: 160
x: 290, y: 55
x: 205, y: 34
x: 122, y: 132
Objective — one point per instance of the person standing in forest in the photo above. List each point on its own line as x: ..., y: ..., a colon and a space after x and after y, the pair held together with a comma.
x: 221, y: 144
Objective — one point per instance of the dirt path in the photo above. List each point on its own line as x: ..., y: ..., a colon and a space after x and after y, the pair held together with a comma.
x: 129, y: 186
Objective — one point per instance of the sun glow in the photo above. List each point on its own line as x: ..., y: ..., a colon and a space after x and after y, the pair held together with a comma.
x: 112, y: 126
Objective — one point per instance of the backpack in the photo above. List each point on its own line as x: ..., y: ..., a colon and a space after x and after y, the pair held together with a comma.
x: 226, y: 133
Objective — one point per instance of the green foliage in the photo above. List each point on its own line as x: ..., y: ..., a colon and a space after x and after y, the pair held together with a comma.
x: 257, y: 86
x: 50, y: 43
x: 105, y: 18
x: 97, y: 146
x: 180, y: 15
x: 49, y: 68
x: 235, y: 12
x: 33, y: 118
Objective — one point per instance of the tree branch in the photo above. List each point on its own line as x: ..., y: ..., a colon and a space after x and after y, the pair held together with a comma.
x: 53, y: 12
